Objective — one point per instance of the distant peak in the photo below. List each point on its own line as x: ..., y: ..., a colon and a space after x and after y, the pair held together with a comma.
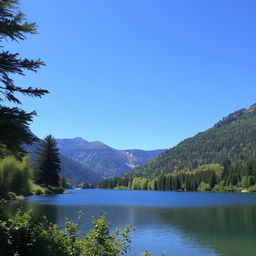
x: 79, y: 139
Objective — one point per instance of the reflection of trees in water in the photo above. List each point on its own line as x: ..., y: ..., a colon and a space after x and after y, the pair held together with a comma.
x: 51, y: 211
x: 230, y: 230
x: 229, y: 220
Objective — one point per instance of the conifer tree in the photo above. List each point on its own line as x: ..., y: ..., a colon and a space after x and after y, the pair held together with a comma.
x: 47, y: 163
x: 14, y: 27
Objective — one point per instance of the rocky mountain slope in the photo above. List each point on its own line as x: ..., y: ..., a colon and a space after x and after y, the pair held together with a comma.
x: 105, y: 161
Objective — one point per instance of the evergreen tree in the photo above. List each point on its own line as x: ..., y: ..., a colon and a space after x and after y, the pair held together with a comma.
x: 13, y: 26
x: 47, y: 163
x: 63, y: 182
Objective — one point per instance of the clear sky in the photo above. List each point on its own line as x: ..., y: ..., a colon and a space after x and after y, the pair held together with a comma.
x: 139, y: 73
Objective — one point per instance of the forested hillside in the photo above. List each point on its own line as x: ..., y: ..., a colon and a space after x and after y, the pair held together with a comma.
x: 231, y: 139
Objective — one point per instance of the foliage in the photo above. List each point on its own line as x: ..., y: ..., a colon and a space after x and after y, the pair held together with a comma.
x: 89, y: 185
x: 37, y: 190
x: 47, y: 163
x: 24, y: 234
x: 13, y: 131
x: 14, y: 176
x: 13, y: 26
x: 139, y: 184
x: 203, y: 187
x: 62, y: 182
x: 211, y: 177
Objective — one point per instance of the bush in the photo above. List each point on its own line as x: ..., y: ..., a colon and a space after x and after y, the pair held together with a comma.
x: 24, y: 234
x: 36, y: 189
x: 252, y: 188
x: 203, y: 187
x: 14, y: 176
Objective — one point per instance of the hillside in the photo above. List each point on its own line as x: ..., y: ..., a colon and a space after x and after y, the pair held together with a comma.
x: 233, y: 139
x: 106, y: 161
x: 76, y: 172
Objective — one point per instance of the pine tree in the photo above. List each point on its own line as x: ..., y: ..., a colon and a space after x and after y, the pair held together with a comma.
x: 63, y: 182
x: 13, y: 26
x: 47, y: 163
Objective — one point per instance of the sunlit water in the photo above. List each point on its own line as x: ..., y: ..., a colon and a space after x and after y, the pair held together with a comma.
x: 176, y: 223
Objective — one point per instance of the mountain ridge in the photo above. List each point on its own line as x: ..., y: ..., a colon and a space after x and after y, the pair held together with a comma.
x: 74, y: 171
x: 106, y: 161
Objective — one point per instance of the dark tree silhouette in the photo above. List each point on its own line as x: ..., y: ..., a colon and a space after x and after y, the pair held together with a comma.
x: 47, y: 163
x: 14, y: 27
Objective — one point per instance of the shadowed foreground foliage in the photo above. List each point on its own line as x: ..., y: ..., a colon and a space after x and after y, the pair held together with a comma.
x: 24, y: 234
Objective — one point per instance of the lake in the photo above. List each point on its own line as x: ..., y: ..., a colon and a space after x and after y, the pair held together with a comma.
x: 177, y: 223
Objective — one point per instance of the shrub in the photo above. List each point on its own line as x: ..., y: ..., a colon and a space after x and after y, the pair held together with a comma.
x: 203, y: 187
x: 24, y: 234
x: 14, y: 176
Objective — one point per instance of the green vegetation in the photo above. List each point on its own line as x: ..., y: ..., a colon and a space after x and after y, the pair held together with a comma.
x: 47, y: 163
x: 211, y: 177
x: 23, y: 234
x: 15, y: 178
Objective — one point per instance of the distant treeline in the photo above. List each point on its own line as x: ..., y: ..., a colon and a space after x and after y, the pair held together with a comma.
x: 211, y: 177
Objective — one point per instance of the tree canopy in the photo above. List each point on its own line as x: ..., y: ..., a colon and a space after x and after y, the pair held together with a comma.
x: 15, y: 27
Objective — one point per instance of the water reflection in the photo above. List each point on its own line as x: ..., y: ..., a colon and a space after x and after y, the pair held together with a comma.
x: 200, y: 230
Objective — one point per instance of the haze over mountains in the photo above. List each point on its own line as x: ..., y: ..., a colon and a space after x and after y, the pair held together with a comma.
x: 104, y: 160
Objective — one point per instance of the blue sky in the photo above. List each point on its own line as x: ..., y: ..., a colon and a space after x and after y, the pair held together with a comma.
x: 139, y: 73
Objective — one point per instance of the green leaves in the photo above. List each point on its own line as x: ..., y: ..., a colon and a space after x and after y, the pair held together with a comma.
x: 24, y: 234
x: 13, y: 22
x: 14, y: 176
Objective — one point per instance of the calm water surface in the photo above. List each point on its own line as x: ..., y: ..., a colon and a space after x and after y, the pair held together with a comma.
x: 176, y: 223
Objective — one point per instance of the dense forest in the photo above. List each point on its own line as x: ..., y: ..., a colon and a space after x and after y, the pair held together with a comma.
x: 211, y: 177
x: 219, y: 159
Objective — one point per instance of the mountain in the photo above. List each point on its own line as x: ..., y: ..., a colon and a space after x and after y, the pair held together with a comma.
x: 74, y: 171
x: 231, y: 140
x: 106, y: 161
